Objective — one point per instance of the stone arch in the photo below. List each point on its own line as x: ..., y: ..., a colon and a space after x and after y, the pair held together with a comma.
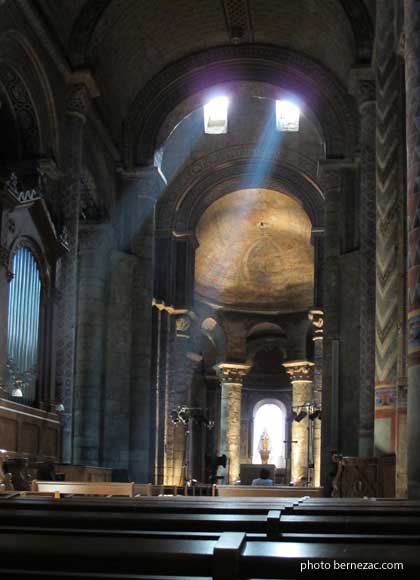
x: 362, y: 27
x: 25, y: 241
x: 25, y: 82
x: 83, y: 30
x: 202, y: 183
x: 322, y: 93
x: 265, y: 334
x: 223, y: 171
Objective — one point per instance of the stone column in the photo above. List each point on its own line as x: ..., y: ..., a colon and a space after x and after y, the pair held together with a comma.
x: 78, y: 102
x: 330, y: 178
x: 183, y: 364
x: 362, y: 86
x: 95, y: 245
x: 412, y: 78
x: 231, y: 377
x: 316, y: 316
x: 300, y: 373
x: 390, y: 233
x: 117, y: 387
x: 140, y: 191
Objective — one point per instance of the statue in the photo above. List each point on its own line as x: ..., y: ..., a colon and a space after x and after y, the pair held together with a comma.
x: 264, y: 447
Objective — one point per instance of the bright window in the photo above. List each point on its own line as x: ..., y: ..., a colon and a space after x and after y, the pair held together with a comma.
x: 216, y: 116
x: 269, y: 432
x: 287, y: 116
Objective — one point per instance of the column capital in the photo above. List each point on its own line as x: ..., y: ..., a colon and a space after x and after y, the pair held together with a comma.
x: 160, y: 305
x: 329, y: 173
x: 362, y: 85
x: 316, y: 316
x: 145, y: 180
x: 299, y: 371
x: 80, y: 92
x: 232, y: 373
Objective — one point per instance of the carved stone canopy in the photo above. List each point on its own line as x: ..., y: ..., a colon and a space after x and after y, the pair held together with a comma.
x: 233, y: 373
x: 299, y: 371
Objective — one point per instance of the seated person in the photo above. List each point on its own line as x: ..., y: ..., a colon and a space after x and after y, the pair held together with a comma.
x: 263, y: 479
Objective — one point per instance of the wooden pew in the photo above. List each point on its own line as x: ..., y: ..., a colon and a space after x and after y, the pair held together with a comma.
x: 226, y: 556
x: 265, y: 491
x: 254, y: 516
x: 84, y: 487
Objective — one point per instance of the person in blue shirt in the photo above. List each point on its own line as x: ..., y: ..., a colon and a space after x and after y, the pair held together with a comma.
x: 263, y: 479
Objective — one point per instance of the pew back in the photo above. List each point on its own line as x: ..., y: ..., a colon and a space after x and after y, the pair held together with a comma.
x: 269, y: 491
x: 84, y: 487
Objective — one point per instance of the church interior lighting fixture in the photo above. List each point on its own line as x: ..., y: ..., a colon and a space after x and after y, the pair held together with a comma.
x: 300, y: 416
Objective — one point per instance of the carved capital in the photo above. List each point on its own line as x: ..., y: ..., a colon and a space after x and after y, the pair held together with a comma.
x: 160, y: 305
x: 183, y: 324
x: 316, y: 316
x: 330, y: 172
x: 146, y: 181
x: 299, y: 371
x: 362, y: 85
x: 78, y: 100
x: 233, y: 373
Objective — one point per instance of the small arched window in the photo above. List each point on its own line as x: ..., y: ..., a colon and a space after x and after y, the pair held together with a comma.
x: 23, y: 324
x: 269, y: 432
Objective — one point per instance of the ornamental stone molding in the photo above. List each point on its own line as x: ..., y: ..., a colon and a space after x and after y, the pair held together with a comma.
x: 316, y: 316
x: 4, y: 261
x: 24, y: 111
x: 300, y: 74
x: 232, y: 373
x: 220, y: 172
x: 238, y: 21
x: 299, y: 371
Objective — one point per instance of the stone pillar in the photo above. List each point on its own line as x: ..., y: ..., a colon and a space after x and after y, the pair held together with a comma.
x: 330, y: 177
x: 78, y: 102
x: 412, y: 78
x: 183, y: 364
x: 160, y: 354
x: 316, y: 316
x: 6, y: 277
x: 390, y: 374
x: 95, y: 245
x: 363, y: 88
x: 140, y: 191
x: 117, y: 387
x: 300, y: 373
x: 231, y: 377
